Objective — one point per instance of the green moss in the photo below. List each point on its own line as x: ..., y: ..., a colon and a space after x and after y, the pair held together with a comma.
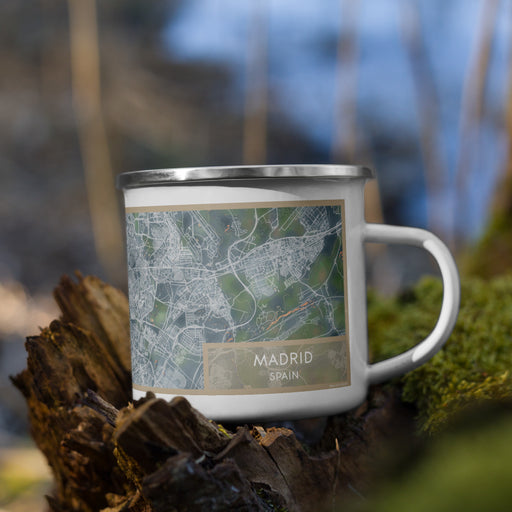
x: 475, y: 362
x: 463, y: 469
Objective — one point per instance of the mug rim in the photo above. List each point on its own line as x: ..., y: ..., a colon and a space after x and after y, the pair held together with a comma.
x: 166, y: 176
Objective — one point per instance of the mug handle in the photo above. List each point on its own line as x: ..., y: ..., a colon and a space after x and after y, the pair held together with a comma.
x: 424, y: 350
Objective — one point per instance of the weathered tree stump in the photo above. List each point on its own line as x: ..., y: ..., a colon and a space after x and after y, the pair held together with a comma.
x: 110, y: 454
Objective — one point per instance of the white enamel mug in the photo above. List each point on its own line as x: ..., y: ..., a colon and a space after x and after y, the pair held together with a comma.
x: 247, y: 289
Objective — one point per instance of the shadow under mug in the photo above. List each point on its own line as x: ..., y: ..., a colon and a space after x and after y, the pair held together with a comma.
x: 247, y: 289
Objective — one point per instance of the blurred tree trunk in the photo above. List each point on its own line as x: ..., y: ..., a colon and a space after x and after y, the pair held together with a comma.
x: 492, y: 255
x: 345, y: 145
x: 472, y: 110
x: 255, y: 117
x: 427, y: 101
x: 86, y: 83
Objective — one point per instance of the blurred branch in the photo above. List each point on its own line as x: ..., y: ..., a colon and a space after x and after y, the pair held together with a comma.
x: 427, y: 101
x: 85, y: 70
x: 255, y: 125
x: 473, y: 99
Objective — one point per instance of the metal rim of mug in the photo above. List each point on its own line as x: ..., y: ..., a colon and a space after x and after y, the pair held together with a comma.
x: 161, y: 177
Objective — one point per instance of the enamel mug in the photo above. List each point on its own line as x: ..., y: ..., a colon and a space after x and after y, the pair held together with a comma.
x: 247, y: 289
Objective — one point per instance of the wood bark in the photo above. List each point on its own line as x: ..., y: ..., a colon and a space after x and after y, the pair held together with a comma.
x: 108, y: 453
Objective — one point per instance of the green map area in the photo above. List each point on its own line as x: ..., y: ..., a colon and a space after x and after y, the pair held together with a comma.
x: 228, y: 276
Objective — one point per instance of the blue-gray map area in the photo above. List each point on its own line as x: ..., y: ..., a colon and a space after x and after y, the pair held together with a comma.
x: 228, y: 276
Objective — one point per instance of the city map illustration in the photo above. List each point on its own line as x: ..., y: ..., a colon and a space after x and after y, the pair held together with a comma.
x: 233, y: 276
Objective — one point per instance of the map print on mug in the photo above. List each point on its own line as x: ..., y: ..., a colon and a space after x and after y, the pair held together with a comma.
x: 238, y: 298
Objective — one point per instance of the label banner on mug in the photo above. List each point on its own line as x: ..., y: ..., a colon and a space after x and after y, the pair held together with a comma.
x: 229, y: 298
x: 257, y: 367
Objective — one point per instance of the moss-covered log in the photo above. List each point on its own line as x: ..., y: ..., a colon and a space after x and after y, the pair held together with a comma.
x: 110, y: 454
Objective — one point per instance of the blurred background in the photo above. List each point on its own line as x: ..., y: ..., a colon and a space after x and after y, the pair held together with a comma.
x: 420, y: 90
